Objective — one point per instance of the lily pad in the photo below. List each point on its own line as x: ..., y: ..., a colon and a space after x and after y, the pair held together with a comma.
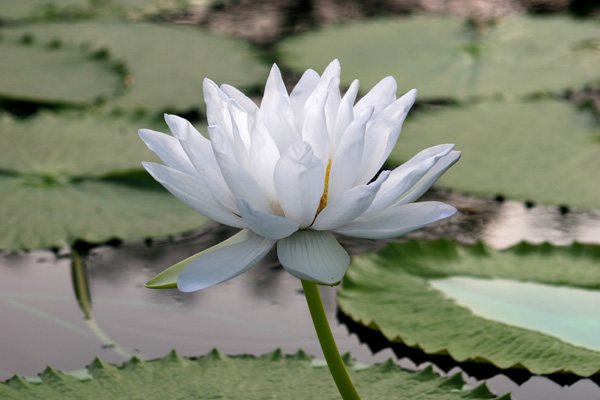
x: 219, y: 376
x: 166, y: 63
x: 65, y: 177
x: 543, y: 151
x: 48, y: 9
x: 444, y: 57
x: 36, y: 73
x: 73, y: 144
x: 390, y: 291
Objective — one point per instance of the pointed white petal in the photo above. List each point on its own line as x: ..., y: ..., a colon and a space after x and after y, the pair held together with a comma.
x: 239, y: 181
x: 217, y: 112
x: 303, y: 89
x: 193, y: 193
x: 168, y: 149
x: 276, y: 112
x: 246, y: 103
x: 168, y: 278
x: 299, y: 181
x: 332, y: 71
x: 429, y: 179
x: 332, y: 105
x: 382, y: 135
x: 397, y: 220
x: 346, y: 161
x: 349, y: 206
x: 267, y: 225
x: 379, y: 97
x: 263, y: 156
x: 223, y: 263
x: 314, y: 129
x: 345, y: 113
x: 403, y: 178
x: 314, y: 256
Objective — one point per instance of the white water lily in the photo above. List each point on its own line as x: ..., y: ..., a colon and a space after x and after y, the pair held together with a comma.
x: 295, y: 169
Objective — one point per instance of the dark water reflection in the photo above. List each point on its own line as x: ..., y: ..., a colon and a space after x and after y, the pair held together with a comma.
x: 256, y: 312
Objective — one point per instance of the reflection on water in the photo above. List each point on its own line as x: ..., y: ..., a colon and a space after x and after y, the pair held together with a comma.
x: 568, y: 313
x: 43, y: 323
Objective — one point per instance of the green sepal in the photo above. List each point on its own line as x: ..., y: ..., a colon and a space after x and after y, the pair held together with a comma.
x: 168, y: 278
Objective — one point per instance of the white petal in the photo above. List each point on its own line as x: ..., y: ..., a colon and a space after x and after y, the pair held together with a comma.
x: 217, y: 112
x: 349, y: 206
x: 267, y: 225
x: 199, y: 151
x: 331, y: 107
x: 332, y: 71
x: 346, y: 161
x: 299, y: 181
x: 303, y: 89
x: 429, y: 179
x: 168, y: 149
x: 193, y: 193
x: 314, y: 129
x: 345, y: 113
x: 382, y: 135
x: 397, y: 220
x: 239, y: 181
x: 223, y: 263
x: 379, y: 97
x: 314, y: 256
x: 276, y: 112
x: 263, y: 156
x: 246, y: 103
x: 407, y: 175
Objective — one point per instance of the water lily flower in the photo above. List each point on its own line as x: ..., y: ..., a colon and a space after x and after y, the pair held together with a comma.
x: 295, y: 169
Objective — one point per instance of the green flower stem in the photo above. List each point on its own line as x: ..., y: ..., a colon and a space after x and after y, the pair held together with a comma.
x: 330, y: 350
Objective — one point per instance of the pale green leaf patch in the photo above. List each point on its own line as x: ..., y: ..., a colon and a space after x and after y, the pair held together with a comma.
x: 393, y: 291
x: 544, y: 151
x: 55, y: 75
x: 216, y: 375
x: 445, y: 57
x: 165, y: 64
x: 65, y: 177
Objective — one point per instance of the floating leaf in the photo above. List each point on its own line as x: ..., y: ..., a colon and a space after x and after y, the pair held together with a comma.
x: 390, y: 291
x: 444, y: 57
x: 219, y: 376
x: 36, y: 73
x: 38, y: 9
x: 166, y: 64
x: 52, y: 192
x: 544, y: 151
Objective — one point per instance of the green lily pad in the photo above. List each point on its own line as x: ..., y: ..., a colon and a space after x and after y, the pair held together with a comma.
x: 219, y: 376
x: 73, y: 144
x: 444, y: 57
x: 49, y: 9
x: 544, y: 151
x: 65, y: 177
x: 55, y: 75
x: 390, y: 291
x: 166, y: 63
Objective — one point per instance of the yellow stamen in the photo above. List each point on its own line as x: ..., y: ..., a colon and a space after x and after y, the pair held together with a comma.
x: 323, y: 201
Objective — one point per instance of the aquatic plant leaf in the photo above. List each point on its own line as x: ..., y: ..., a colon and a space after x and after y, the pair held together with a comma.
x: 36, y: 73
x: 545, y: 151
x: 44, y: 214
x: 70, y: 176
x: 389, y: 291
x: 165, y: 64
x: 74, y: 144
x: 445, y: 57
x: 55, y: 9
x: 216, y: 375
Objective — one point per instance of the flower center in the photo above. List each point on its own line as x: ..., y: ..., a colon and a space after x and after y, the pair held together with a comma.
x: 323, y: 201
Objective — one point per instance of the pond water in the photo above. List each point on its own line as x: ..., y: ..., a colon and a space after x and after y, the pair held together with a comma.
x: 43, y: 323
